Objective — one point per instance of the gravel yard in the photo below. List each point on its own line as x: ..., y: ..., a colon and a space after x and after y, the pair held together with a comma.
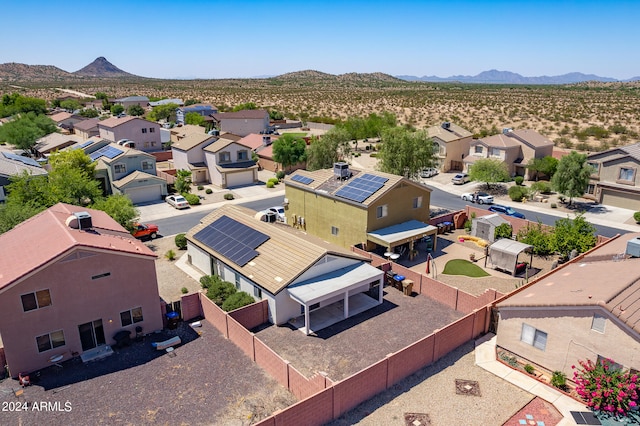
x: 171, y: 279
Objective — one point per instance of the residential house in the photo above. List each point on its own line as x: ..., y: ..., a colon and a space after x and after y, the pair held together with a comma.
x: 180, y: 132
x: 54, y: 142
x: 123, y: 170
x: 87, y: 128
x: 298, y: 274
x: 87, y: 280
x: 615, y: 181
x: 178, y: 102
x: 262, y: 145
x: 242, y: 123
x: 141, y: 101
x: 66, y: 120
x: 13, y: 165
x: 587, y: 309
x: 229, y: 162
x: 145, y: 134
x: 204, y: 110
x: 94, y: 104
x: 514, y: 147
x: 451, y: 145
x: 347, y: 206
x: 188, y: 154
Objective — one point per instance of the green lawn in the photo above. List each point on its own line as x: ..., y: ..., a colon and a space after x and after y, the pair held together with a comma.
x: 294, y: 134
x: 463, y: 267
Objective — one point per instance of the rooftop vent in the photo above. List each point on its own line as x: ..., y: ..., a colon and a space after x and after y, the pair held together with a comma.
x: 266, y: 140
x: 79, y: 220
x: 341, y: 170
x: 507, y: 130
x: 446, y: 125
x: 633, y: 247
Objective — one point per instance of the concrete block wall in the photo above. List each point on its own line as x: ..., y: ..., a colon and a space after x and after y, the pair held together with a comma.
x: 271, y: 362
x: 302, y: 387
x: 407, y: 361
x: 439, y: 291
x: 359, y: 387
x: 241, y: 337
x: 452, y: 336
x: 253, y: 315
x: 313, y: 411
x: 190, y: 306
x: 212, y: 313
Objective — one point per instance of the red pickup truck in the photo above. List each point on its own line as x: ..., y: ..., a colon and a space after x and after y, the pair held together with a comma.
x: 142, y: 231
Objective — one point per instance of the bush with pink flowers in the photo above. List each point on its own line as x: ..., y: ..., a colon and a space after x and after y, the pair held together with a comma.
x: 605, y: 387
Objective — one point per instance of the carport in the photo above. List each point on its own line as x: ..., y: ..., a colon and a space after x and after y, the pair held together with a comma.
x: 402, y: 233
x: 504, y: 254
x: 343, y: 286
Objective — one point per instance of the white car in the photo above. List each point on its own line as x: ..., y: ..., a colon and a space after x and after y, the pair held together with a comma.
x: 177, y: 201
x: 478, y: 197
x: 279, y: 210
x: 460, y: 179
x: 427, y: 173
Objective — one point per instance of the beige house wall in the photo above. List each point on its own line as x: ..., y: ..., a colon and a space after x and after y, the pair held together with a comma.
x: 454, y: 151
x: 132, y: 130
x: 569, y: 337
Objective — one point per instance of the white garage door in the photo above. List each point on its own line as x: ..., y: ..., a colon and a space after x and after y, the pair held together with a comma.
x: 623, y: 200
x: 239, y: 179
x: 145, y: 194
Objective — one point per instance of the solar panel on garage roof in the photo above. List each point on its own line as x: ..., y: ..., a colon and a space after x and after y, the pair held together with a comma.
x: 302, y: 179
x: 107, y: 151
x: 232, y: 239
x: 361, y: 188
x: 21, y: 158
x: 85, y: 144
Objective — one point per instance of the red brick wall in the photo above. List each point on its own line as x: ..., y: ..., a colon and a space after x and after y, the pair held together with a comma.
x: 481, y: 321
x: 410, y: 359
x: 241, y: 337
x: 269, y: 421
x: 439, y: 291
x: 300, y: 386
x: 468, y: 302
x: 442, y: 218
x: 190, y: 306
x: 452, y: 336
x: 212, y: 313
x: 162, y: 155
x: 314, y: 411
x: 358, y: 388
x: 271, y: 362
x: 253, y: 315
x: 168, y: 175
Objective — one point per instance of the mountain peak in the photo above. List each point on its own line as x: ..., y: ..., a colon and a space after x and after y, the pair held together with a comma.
x: 100, y: 67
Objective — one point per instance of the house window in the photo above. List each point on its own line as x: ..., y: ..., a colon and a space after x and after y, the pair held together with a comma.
x: 334, y: 231
x: 596, y: 167
x: 243, y: 155
x: 120, y: 168
x: 131, y: 316
x: 152, y: 130
x: 478, y: 149
x: 534, y: 337
x: 147, y: 165
x: 36, y: 300
x: 495, y: 152
x: 144, y: 130
x: 598, y: 322
x: 591, y: 189
x: 417, y: 202
x: 237, y: 281
x: 381, y: 211
x: 257, y: 292
x: 50, y: 341
x: 146, y: 144
x: 626, y: 174
x: 153, y: 143
x: 614, y: 365
x: 224, y: 157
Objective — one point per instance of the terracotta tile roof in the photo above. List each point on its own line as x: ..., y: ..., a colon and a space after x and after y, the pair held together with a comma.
x: 599, y: 279
x: 282, y: 258
x: 115, y: 121
x: 192, y: 140
x: 248, y: 114
x: 54, y: 239
x: 498, y: 141
x: 253, y: 140
x: 454, y: 133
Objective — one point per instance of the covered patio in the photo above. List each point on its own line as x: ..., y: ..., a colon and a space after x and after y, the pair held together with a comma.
x: 403, y: 233
x: 332, y: 297
x: 504, y: 253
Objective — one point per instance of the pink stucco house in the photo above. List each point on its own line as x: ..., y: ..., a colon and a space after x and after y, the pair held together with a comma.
x: 70, y: 279
x: 145, y: 134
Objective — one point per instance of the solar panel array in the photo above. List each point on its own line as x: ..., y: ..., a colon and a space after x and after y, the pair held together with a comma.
x: 21, y: 158
x: 107, y: 151
x: 85, y: 144
x: 302, y: 179
x: 361, y: 187
x: 232, y: 239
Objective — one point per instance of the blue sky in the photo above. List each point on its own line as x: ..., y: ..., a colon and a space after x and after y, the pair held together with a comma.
x: 219, y: 39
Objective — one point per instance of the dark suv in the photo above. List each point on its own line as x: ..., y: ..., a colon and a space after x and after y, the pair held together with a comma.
x: 499, y: 208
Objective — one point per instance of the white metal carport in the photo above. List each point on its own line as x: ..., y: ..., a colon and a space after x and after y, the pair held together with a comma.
x: 406, y: 232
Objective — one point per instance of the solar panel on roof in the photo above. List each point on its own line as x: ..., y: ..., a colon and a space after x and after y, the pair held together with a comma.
x: 302, y: 179
x: 232, y: 239
x: 108, y: 151
x: 85, y: 144
x: 361, y: 188
x: 21, y: 158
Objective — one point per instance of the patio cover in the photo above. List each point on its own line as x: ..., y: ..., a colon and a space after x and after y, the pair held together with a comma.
x: 504, y: 254
x: 402, y: 233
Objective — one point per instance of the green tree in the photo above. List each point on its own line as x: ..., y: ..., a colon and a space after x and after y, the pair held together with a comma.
x: 545, y: 165
x: 165, y: 112
x: 26, y: 129
x: 574, y: 234
x: 245, y: 106
x: 75, y: 158
x: 194, y: 118
x: 17, y: 104
x: 135, y: 110
x: 117, y: 109
x: 405, y: 152
x: 191, y: 102
x: 489, y: 170
x: 89, y: 113
x: 71, y: 185
x: 101, y: 95
x: 572, y: 176
x: 275, y: 115
x: 13, y: 213
x: 237, y: 300
x: 539, y: 237
x: 503, y: 230
x: 325, y: 150
x: 120, y: 208
x: 183, y: 181
x: 32, y: 190
x: 70, y: 105
x: 289, y: 150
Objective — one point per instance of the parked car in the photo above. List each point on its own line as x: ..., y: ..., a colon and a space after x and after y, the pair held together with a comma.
x: 145, y: 230
x: 177, y: 201
x: 427, y: 173
x: 498, y: 208
x: 478, y: 197
x: 279, y: 210
x: 460, y: 178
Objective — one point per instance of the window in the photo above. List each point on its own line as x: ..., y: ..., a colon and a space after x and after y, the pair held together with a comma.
x: 147, y: 165
x: 495, y: 152
x: 334, y: 231
x: 478, y: 149
x: 224, y: 157
x: 131, y: 316
x: 596, y: 167
x: 614, y: 365
x: 237, y: 281
x: 50, y: 341
x: 626, y: 174
x: 106, y: 274
x: 243, y: 155
x: 598, y: 322
x: 152, y: 130
x: 417, y: 202
x: 381, y: 211
x: 153, y: 143
x: 120, y: 168
x: 144, y: 130
x: 37, y: 300
x: 257, y: 292
x: 591, y: 189
x: 533, y: 337
x: 146, y: 144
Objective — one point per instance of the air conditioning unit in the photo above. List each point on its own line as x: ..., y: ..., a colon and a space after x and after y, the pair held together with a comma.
x: 633, y: 247
x: 446, y: 125
x: 341, y: 170
x: 84, y: 220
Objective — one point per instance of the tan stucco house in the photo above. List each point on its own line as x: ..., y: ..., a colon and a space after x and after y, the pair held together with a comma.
x: 188, y: 154
x: 243, y: 122
x: 451, y: 145
x: 616, y: 181
x: 229, y: 162
x: 144, y: 134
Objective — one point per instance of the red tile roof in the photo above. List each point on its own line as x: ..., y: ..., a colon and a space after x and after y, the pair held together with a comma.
x: 44, y: 237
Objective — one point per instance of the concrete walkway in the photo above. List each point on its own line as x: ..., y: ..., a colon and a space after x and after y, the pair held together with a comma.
x: 486, y: 358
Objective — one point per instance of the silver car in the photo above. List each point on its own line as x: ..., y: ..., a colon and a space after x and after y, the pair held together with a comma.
x: 177, y: 201
x: 460, y: 178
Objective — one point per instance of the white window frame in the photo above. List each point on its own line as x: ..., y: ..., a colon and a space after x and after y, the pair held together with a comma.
x: 382, y: 211
x: 257, y: 292
x: 495, y: 152
x: 118, y: 166
x: 534, y: 337
x: 478, y: 149
x: 224, y: 157
x: 237, y: 280
x: 147, y: 165
x: 417, y: 202
x: 631, y: 171
x: 243, y: 155
x: 132, y: 319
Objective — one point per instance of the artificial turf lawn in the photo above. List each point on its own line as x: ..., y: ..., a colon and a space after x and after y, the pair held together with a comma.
x: 463, y: 267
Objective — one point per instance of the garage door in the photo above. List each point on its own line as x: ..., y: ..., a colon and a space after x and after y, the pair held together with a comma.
x: 239, y: 179
x: 145, y: 194
x: 623, y: 200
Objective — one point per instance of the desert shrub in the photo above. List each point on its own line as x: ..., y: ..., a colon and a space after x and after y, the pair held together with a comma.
x: 200, y: 187
x: 529, y: 368
x: 559, y: 380
x: 542, y: 187
x: 192, y: 199
x: 274, y: 180
x: 237, y: 300
x: 517, y: 193
x: 208, y: 191
x: 541, y: 239
x: 554, y: 206
x: 373, y: 155
x: 280, y: 174
x: 181, y: 241
x: 605, y: 387
x: 270, y: 184
x: 207, y: 281
x: 228, y: 196
x: 219, y: 291
x: 171, y: 255
x: 184, y: 290
x: 467, y: 225
x: 518, y: 180
x: 503, y: 231
x: 509, y: 359
x: 636, y: 217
